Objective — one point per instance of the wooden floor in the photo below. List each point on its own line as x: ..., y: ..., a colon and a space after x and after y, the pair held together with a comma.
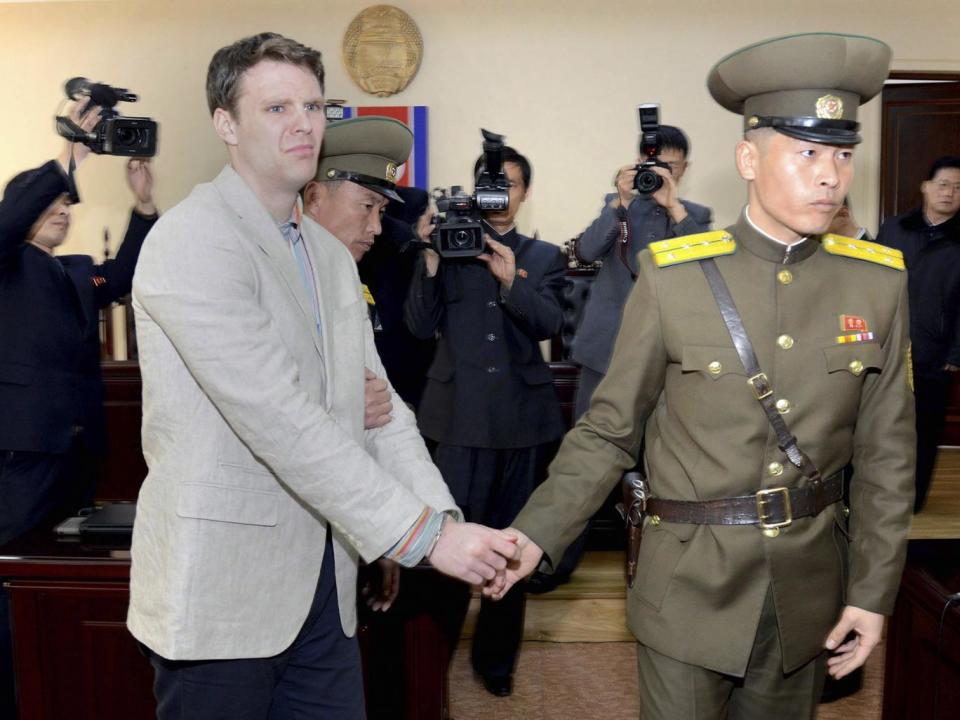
x: 578, y: 659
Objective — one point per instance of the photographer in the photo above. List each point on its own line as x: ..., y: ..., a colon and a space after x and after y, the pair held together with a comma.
x: 52, y: 425
x: 662, y: 214
x: 52, y: 422
x: 489, y: 403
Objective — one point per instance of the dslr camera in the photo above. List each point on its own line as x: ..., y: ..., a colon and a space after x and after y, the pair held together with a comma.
x: 458, y: 233
x: 647, y: 181
x: 113, y: 134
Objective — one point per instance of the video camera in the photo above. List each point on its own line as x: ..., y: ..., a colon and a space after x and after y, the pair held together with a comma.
x: 113, y: 134
x: 647, y: 181
x: 458, y: 233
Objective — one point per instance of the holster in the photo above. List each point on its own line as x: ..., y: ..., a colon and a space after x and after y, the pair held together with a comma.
x: 632, y: 509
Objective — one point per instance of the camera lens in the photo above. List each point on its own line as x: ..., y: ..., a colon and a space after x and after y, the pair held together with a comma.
x: 461, y: 239
x: 647, y: 181
x: 129, y: 137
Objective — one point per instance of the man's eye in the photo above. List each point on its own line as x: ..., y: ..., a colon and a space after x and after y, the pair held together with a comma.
x: 846, y: 155
x: 809, y: 153
x: 314, y: 107
x: 275, y: 108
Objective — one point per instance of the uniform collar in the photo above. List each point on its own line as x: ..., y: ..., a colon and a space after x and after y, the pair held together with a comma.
x: 765, y: 247
x: 511, y: 238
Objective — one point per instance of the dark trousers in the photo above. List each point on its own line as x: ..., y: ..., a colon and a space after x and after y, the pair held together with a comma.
x: 931, y: 395
x: 318, y: 677
x: 491, y: 486
x: 673, y: 690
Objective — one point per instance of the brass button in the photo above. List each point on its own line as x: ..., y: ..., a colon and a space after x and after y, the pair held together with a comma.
x: 775, y: 469
x: 715, y: 368
x: 771, y: 532
x: 856, y: 367
x: 654, y: 519
x: 785, y: 277
x: 846, y: 511
x: 785, y: 341
x: 783, y: 406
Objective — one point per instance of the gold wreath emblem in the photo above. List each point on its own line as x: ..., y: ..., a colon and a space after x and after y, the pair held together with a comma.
x: 829, y: 107
x: 391, y: 171
x: 382, y: 49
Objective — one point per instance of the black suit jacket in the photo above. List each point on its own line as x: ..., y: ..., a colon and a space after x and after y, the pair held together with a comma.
x: 50, y: 381
x: 488, y: 386
x: 387, y: 271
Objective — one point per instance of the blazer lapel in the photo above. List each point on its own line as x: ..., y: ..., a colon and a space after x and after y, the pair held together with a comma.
x: 318, y: 241
x: 256, y: 224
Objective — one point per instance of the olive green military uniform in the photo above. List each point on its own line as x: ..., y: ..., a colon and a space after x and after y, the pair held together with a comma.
x: 827, y: 318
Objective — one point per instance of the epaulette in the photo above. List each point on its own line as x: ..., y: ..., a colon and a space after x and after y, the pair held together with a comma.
x: 674, y: 251
x: 863, y: 250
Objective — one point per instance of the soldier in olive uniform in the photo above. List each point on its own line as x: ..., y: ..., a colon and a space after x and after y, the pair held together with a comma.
x: 743, y: 582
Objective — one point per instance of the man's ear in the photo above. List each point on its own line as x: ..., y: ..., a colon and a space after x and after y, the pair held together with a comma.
x: 747, y: 155
x: 225, y: 126
x: 311, y: 196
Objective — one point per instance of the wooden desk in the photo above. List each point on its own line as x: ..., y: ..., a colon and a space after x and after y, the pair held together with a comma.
x: 73, y: 655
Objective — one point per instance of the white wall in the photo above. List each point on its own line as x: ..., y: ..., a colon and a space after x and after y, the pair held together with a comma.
x: 559, y: 77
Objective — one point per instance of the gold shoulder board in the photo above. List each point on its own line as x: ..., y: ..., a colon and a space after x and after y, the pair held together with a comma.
x: 863, y: 250
x: 674, y: 251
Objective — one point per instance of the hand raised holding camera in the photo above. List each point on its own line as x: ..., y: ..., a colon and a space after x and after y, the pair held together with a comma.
x: 500, y: 261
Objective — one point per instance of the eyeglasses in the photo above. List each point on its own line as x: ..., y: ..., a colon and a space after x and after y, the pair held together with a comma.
x: 943, y: 185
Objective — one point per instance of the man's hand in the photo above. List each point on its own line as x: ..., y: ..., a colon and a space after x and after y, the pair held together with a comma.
x: 501, y: 262
x: 529, y: 559
x: 866, y: 627
x: 668, y: 196
x: 140, y: 181
x: 380, y: 598
x: 87, y: 120
x: 624, y: 183
x: 473, y: 553
x: 951, y: 368
x: 376, y: 401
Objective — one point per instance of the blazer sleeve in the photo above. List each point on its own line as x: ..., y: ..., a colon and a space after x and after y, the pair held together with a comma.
x: 200, y: 287
x: 24, y: 204
x: 399, y: 447
x: 118, y: 272
x: 423, y: 309
x: 881, y: 494
x: 537, y: 308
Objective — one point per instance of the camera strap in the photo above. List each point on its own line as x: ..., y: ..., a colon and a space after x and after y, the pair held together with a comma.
x: 623, y: 240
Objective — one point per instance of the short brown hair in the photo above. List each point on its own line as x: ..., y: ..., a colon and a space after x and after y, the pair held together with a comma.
x: 231, y: 62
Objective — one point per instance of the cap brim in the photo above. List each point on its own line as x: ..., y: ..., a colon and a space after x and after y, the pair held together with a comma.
x: 823, y: 135
x: 386, y: 192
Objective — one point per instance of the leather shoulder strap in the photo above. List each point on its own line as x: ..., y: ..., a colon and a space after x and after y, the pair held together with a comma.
x: 757, y: 379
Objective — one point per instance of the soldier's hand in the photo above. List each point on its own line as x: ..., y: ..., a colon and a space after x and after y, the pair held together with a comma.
x: 376, y: 406
x: 848, y: 655
x: 668, y: 197
x: 624, y: 183
x: 500, y: 261
x: 472, y: 553
x: 380, y: 597
x: 529, y: 559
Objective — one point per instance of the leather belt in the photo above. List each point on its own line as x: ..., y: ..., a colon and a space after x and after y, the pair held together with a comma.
x: 768, y: 508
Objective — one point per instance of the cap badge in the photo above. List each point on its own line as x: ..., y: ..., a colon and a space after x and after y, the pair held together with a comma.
x: 753, y: 121
x: 829, y: 107
x: 391, y: 171
x: 331, y: 173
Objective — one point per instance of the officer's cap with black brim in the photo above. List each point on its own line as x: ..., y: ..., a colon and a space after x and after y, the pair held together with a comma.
x: 367, y: 151
x: 805, y: 86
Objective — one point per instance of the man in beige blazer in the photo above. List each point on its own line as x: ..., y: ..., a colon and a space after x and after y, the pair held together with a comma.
x: 264, y: 489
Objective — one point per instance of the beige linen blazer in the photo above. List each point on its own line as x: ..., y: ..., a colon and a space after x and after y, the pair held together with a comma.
x: 253, y: 432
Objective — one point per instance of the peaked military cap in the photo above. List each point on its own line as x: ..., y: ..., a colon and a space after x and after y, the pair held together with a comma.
x: 806, y: 86
x: 367, y: 151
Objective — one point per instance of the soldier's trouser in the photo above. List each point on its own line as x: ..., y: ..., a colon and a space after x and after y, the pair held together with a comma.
x: 672, y: 690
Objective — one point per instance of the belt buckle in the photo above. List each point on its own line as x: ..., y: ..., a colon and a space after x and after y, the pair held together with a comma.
x: 762, y: 497
x: 760, y: 385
